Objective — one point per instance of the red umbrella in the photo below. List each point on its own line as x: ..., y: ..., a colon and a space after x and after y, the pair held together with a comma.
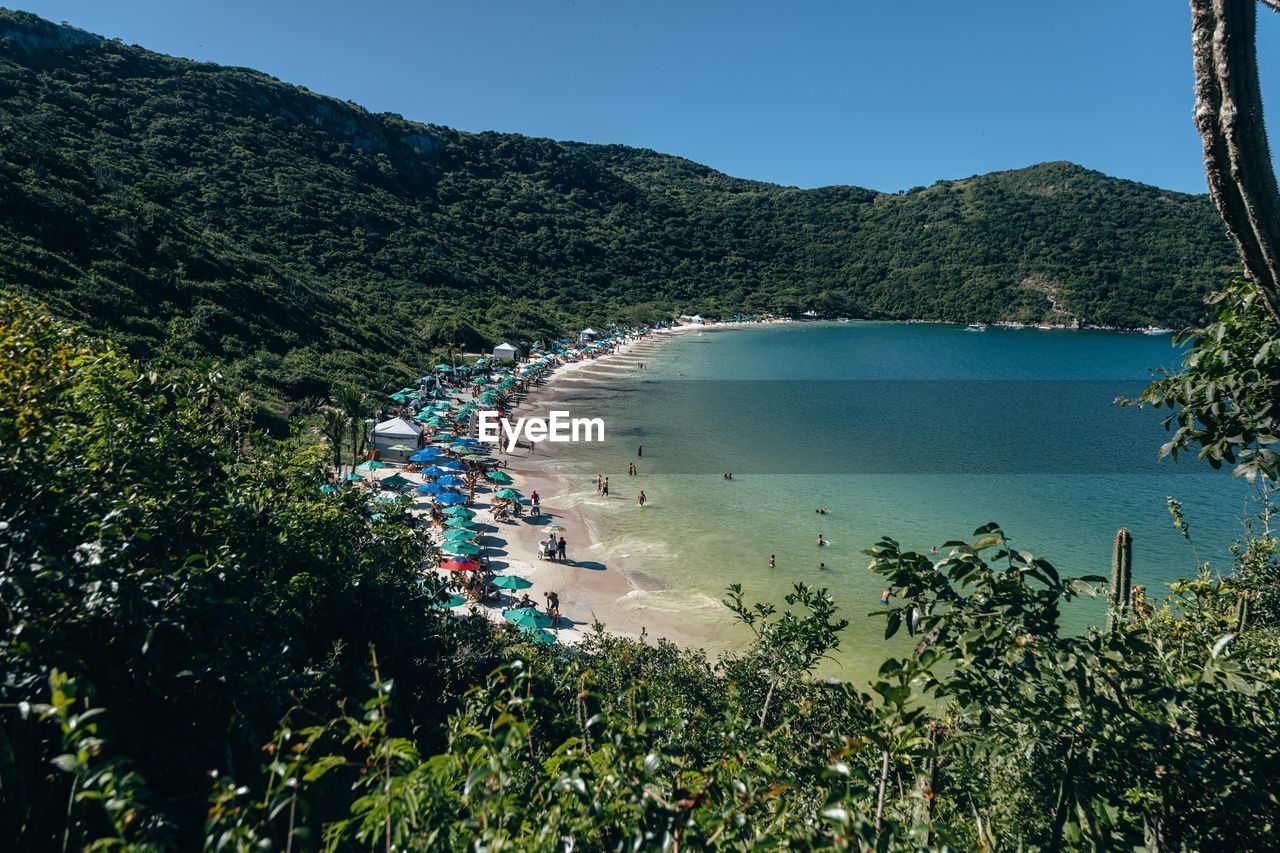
x: 460, y: 565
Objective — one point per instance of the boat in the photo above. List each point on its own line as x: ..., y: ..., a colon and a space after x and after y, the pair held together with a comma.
x: 976, y: 327
x: 842, y: 319
x: 1156, y: 330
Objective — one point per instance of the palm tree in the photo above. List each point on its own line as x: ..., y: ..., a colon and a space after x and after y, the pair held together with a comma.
x: 332, y: 428
x: 354, y: 405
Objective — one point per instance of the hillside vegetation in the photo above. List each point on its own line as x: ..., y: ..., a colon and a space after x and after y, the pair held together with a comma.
x: 303, y: 240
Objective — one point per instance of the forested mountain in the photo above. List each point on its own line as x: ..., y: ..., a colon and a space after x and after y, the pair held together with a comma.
x: 301, y: 238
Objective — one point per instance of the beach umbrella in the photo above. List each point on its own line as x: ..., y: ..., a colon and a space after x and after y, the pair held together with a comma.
x: 352, y: 477
x: 427, y: 454
x: 477, y: 457
x: 511, y: 582
x: 553, y: 528
x: 460, y: 512
x: 371, y: 465
x: 431, y: 489
x: 450, y: 499
x: 451, y: 480
x: 377, y: 516
x: 397, y: 481
x: 537, y: 636
x: 401, y: 448
x: 460, y: 564
x: 328, y: 489
x: 386, y: 499
x: 468, y: 548
x: 461, y: 533
x: 399, y: 398
x: 502, y: 478
x: 452, y: 601
x: 450, y: 465
x: 508, y: 494
x: 436, y: 471
x: 527, y: 617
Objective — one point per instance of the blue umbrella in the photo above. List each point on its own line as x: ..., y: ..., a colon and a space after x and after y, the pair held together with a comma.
x: 451, y: 480
x: 428, y: 454
x: 436, y: 471
x: 450, y: 499
x: 431, y: 489
x: 450, y: 464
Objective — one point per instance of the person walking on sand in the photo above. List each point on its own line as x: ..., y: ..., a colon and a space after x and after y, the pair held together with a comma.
x: 561, y: 549
x: 535, y: 503
x: 642, y: 498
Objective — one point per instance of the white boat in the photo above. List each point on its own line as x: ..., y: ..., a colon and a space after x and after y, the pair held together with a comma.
x: 976, y: 327
x: 1156, y: 330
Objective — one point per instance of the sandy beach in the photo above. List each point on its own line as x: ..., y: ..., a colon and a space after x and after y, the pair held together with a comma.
x: 593, y: 585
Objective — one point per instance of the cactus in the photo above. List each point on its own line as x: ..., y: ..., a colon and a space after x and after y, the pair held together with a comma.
x: 1242, y: 610
x: 1121, y: 578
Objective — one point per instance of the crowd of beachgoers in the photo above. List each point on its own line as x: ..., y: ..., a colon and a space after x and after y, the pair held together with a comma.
x: 460, y: 490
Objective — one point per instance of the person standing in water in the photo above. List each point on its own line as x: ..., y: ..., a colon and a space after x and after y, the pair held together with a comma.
x: 604, y: 490
x: 642, y: 498
x: 640, y: 450
x: 821, y: 541
x: 773, y: 561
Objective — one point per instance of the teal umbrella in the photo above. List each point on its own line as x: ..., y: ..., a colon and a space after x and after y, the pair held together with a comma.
x: 352, y: 477
x: 452, y: 601
x: 397, y: 481
x: 528, y: 617
x: 460, y: 534
x: 401, y: 448
x: 329, y: 490
x: 460, y: 512
x: 512, y: 582
x: 371, y: 465
x: 508, y: 494
x: 538, y: 636
x: 502, y: 478
x: 468, y: 548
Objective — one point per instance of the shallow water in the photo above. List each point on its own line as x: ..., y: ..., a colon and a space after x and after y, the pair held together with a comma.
x: 919, y: 432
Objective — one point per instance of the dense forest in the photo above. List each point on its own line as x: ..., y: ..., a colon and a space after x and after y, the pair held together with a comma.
x: 303, y: 240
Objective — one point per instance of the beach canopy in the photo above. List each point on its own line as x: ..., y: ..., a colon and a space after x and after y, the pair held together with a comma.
x: 450, y: 499
x: 553, y: 528
x: 528, y: 617
x: 371, y: 465
x: 508, y: 494
x: 460, y: 512
x: 511, y: 582
x: 460, y: 565
x: 397, y: 428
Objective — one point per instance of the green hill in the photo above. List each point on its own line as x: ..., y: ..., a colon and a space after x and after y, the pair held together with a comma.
x: 300, y: 238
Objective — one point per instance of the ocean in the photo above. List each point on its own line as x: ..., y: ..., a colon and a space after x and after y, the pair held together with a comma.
x: 920, y: 432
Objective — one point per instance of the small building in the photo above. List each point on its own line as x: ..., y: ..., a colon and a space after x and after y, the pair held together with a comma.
x: 587, y: 335
x: 504, y: 352
x: 394, y: 433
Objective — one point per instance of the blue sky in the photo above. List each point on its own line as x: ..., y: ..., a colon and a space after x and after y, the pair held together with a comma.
x: 879, y: 94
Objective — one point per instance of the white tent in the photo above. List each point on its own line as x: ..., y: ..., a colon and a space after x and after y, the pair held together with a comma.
x: 396, y: 431
x: 587, y: 335
x: 504, y: 352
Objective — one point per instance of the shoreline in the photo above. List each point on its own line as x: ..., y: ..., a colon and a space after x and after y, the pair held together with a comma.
x: 595, y: 584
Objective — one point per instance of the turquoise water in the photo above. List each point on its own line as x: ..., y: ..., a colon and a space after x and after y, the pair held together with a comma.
x: 919, y: 432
